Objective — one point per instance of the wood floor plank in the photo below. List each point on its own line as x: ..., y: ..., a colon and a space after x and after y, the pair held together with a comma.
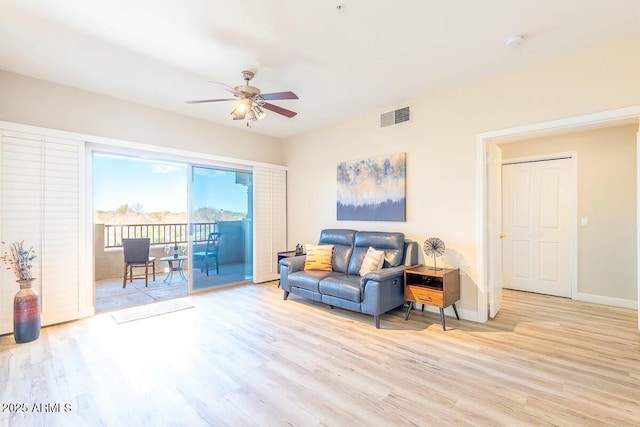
x: 245, y: 357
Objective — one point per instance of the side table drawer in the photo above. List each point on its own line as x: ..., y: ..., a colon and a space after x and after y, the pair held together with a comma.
x: 423, y: 295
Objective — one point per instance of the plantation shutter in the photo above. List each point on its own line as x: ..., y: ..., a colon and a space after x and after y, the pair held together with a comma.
x: 270, y: 221
x: 41, y: 196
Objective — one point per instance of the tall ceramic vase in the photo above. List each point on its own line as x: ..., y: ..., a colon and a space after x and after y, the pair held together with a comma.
x: 26, y: 313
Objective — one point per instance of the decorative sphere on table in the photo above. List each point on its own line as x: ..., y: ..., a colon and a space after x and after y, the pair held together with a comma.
x: 433, y: 247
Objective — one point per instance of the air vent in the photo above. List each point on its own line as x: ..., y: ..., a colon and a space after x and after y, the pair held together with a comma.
x: 401, y: 115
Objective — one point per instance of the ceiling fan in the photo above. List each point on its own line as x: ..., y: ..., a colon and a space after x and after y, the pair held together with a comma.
x: 250, y: 102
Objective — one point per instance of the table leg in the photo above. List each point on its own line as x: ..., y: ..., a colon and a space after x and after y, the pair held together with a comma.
x: 181, y: 271
x: 406, y: 316
x: 442, y: 320
x: 177, y: 268
x: 169, y: 277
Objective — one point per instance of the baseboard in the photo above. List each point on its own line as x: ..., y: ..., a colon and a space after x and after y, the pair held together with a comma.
x: 48, y: 320
x: 615, y: 302
x: 464, y: 314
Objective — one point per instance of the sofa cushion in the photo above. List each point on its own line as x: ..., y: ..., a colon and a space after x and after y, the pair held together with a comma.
x: 391, y: 243
x: 308, y: 279
x: 341, y: 303
x: 372, y: 261
x: 341, y: 286
x: 316, y: 296
x: 318, y: 257
x: 342, y: 241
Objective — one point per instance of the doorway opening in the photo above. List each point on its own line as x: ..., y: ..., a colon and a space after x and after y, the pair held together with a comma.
x: 136, y: 198
x: 489, y: 265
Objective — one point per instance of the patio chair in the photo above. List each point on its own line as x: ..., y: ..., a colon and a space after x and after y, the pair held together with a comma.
x: 210, y: 254
x: 136, y: 254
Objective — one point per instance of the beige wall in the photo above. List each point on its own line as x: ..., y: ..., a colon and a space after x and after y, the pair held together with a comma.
x: 38, y: 103
x: 440, y: 142
x: 607, y: 198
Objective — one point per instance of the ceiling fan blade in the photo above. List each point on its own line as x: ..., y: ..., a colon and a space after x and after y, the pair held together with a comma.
x: 227, y: 88
x: 278, y: 95
x: 200, y: 101
x: 279, y: 110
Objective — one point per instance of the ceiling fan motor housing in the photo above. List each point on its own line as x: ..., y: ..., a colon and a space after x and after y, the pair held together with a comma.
x: 247, y: 91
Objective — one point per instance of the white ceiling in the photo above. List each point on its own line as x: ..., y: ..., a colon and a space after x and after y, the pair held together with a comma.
x: 374, y: 55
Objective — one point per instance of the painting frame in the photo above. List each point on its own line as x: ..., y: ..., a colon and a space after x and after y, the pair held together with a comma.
x: 372, y: 189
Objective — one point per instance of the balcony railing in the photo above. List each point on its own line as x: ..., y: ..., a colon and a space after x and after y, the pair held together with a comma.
x: 159, y: 234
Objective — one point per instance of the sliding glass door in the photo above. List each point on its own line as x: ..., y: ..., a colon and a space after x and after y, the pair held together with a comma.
x: 223, y: 229
x: 221, y: 226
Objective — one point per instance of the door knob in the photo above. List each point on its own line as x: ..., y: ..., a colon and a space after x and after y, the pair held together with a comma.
x: 502, y: 236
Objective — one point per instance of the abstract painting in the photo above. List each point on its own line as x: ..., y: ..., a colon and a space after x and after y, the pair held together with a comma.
x: 372, y: 189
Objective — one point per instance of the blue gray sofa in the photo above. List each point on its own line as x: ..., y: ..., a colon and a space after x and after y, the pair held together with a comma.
x: 375, y: 293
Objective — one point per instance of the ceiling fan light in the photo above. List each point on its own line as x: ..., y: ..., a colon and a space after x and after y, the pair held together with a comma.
x: 259, y: 112
x: 237, y: 115
x: 251, y: 115
x: 240, y: 110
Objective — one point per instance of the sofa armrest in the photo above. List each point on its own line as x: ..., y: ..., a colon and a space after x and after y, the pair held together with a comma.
x: 293, y: 264
x: 384, y: 274
x: 382, y: 290
x: 290, y: 265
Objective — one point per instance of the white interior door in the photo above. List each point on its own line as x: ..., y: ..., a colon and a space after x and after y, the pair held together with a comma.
x: 495, y: 229
x: 536, y: 222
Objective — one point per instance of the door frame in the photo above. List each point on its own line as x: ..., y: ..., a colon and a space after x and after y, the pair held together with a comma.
x: 155, y: 152
x: 484, y: 188
x: 573, y: 206
x: 494, y: 227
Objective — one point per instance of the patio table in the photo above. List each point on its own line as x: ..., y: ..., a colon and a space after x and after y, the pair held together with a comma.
x: 175, y: 264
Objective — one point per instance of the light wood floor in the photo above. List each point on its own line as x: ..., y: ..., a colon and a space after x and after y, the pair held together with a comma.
x: 245, y: 357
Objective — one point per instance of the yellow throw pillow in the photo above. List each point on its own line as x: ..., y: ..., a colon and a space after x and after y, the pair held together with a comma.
x: 318, y: 257
x: 372, y: 261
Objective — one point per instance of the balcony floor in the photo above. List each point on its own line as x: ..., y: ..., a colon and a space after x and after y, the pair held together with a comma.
x: 109, y: 294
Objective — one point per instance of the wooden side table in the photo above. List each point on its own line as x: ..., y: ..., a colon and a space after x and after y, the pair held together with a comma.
x: 438, y: 288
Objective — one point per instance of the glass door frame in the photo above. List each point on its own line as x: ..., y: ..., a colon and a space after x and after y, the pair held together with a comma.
x: 191, y: 223
x: 162, y: 154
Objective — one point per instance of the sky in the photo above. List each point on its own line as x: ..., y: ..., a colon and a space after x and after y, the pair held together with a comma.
x: 160, y: 186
